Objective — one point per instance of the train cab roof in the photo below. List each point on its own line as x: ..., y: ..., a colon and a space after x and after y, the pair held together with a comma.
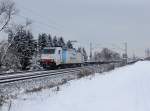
x: 51, y: 47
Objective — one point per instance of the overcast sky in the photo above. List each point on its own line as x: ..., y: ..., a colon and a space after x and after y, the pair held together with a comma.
x: 104, y: 22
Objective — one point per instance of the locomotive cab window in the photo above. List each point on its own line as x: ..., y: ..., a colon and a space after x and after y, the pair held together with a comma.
x: 48, y: 51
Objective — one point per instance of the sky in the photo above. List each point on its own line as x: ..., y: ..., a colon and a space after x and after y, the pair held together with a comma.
x: 104, y: 23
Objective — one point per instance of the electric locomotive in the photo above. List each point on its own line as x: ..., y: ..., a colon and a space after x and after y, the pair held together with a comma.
x: 53, y: 57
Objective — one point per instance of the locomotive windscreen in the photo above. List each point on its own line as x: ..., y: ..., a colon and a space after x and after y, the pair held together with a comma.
x: 48, y: 51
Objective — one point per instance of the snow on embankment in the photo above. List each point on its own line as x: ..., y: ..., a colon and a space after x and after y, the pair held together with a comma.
x: 124, y: 89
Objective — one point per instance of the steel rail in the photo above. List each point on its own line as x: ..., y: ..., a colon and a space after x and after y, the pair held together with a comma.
x: 31, y: 76
x: 87, y: 64
x: 12, y: 77
x: 42, y: 71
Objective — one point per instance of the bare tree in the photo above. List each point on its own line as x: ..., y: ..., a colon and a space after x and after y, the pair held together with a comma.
x: 10, y: 60
x: 7, y: 10
x: 107, y: 55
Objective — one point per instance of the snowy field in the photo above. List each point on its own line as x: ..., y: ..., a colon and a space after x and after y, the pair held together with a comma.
x: 124, y: 89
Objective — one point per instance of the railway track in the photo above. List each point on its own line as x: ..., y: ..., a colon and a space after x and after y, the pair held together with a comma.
x: 12, y: 77
x: 6, y: 78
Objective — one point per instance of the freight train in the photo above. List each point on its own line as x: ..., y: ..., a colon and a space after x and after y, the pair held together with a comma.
x: 55, y: 57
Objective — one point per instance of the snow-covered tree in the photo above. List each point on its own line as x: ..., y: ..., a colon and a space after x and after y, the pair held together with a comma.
x: 42, y: 41
x: 61, y: 42
x: 10, y: 60
x: 23, y: 45
x: 49, y: 41
x: 83, y: 52
x: 3, y: 45
x: 79, y: 49
x: 69, y: 44
x: 55, y: 41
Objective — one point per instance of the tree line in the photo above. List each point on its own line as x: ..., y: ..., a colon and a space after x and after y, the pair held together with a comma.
x: 46, y: 40
x: 21, y: 48
x: 107, y: 55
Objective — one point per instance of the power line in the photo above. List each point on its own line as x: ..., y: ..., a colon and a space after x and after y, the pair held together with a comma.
x: 39, y: 22
x: 37, y: 14
x: 39, y: 29
x: 43, y: 24
x: 54, y: 26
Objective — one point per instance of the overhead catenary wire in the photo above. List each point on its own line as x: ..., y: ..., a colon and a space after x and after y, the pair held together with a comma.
x: 48, y: 23
x: 39, y: 22
x: 53, y: 26
x: 33, y: 12
x: 38, y: 30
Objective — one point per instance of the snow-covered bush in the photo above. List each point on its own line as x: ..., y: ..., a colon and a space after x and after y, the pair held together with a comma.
x: 85, y: 72
x: 35, y: 63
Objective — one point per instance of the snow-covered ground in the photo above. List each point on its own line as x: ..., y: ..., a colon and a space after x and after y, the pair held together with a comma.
x: 124, y: 89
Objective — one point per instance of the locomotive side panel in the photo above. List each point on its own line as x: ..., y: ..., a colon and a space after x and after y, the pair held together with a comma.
x: 69, y: 56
